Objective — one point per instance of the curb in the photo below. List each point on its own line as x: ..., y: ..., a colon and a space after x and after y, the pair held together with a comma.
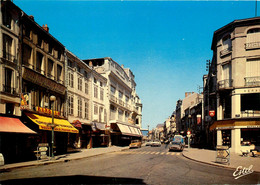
x: 212, y: 164
x: 38, y: 163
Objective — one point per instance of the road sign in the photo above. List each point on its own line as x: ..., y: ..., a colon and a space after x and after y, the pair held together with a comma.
x: 211, y: 113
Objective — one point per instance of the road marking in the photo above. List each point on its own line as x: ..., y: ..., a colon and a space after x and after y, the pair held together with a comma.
x: 157, y: 153
x: 168, y: 153
x: 178, y: 154
x: 172, y: 153
x: 153, y: 153
x: 162, y: 153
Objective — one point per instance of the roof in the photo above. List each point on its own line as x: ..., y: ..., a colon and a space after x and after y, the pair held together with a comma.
x: 232, y: 25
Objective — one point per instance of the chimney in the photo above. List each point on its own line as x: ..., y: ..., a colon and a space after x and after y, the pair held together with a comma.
x: 31, y: 17
x: 90, y: 64
x: 45, y: 27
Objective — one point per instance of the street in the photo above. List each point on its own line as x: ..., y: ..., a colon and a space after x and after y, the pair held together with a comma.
x: 146, y: 165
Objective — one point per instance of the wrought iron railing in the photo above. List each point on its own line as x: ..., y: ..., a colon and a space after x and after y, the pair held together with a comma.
x: 252, y: 81
x: 223, y: 84
x: 9, y: 89
x: 225, y: 51
x: 250, y: 113
x: 252, y: 45
x: 8, y: 56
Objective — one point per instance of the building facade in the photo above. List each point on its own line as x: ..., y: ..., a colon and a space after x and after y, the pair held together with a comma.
x: 122, y: 102
x: 233, y: 85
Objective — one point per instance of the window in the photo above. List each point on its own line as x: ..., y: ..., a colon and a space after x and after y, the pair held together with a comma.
x: 7, y: 19
x: 70, y: 63
x: 7, y: 47
x: 39, y: 41
x: 250, y: 102
x: 86, y: 110
x: 112, y: 89
x: 100, y: 114
x: 95, y: 80
x: 27, y: 53
x: 101, y: 94
x: 101, y: 84
x: 80, y: 84
x: 95, y: 91
x: 126, y: 98
x: 80, y: 107
x: 59, y: 54
x: 105, y: 115
x: 226, y: 42
x: 253, y: 68
x: 50, y: 48
x: 71, y: 79
x: 50, y: 72
x: 86, y: 87
x: 27, y: 32
x: 8, y: 80
x: 253, y: 39
x: 95, y: 109
x: 120, y: 95
x: 78, y: 69
x: 85, y: 74
x: 59, y: 73
x: 39, y: 63
x: 71, y: 109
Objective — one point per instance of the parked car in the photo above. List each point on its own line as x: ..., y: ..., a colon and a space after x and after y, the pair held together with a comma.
x: 135, y: 144
x: 156, y: 143
x: 148, y: 143
x: 177, y: 143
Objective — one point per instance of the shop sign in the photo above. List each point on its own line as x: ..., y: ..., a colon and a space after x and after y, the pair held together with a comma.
x: 223, y: 154
x: 42, y: 150
x: 43, y: 81
x: 24, y: 101
x: 47, y: 111
x: 253, y: 126
x: 211, y: 113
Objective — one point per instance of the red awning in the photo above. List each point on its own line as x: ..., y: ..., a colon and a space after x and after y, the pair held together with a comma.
x: 14, y: 125
x: 77, y: 124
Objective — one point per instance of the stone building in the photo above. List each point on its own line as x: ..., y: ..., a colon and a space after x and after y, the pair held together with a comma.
x: 233, y: 85
x: 122, y: 102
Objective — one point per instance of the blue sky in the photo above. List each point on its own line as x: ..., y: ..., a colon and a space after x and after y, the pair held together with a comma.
x: 165, y: 43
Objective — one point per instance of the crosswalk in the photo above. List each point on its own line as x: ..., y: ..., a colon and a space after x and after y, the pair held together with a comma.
x: 150, y: 153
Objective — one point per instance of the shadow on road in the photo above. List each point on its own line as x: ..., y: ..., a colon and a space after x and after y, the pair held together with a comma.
x: 77, y: 179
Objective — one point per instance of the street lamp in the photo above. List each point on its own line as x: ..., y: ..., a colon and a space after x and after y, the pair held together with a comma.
x: 52, y: 99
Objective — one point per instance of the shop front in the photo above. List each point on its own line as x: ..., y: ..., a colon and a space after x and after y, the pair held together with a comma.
x: 15, y: 139
x: 100, y: 136
x: 239, y: 135
x: 43, y: 125
x: 122, y: 134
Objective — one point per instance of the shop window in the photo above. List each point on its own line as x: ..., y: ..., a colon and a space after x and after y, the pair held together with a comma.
x: 226, y: 138
x: 250, y: 136
x: 250, y: 102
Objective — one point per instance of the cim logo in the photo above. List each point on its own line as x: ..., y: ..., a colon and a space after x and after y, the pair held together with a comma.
x: 211, y: 113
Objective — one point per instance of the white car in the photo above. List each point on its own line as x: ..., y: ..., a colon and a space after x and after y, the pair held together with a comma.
x: 156, y: 143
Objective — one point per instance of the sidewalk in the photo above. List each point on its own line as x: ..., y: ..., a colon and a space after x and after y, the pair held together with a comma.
x: 83, y: 153
x: 209, y: 157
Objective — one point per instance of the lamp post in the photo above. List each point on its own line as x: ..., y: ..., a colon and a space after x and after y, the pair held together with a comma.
x: 52, y: 99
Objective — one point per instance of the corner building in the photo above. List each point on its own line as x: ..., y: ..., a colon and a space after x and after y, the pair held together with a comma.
x: 235, y: 70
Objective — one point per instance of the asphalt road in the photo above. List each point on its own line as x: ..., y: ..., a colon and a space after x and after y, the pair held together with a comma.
x: 147, y: 165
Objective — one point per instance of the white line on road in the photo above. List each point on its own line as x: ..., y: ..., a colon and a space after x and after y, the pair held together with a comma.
x: 162, y: 153
x: 157, y: 153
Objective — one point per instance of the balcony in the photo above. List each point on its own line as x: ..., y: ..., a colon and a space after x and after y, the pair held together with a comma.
x: 113, y: 98
x: 8, y: 89
x: 252, y: 81
x: 252, y: 45
x: 225, y: 52
x: 9, y: 57
x: 250, y: 113
x: 225, y: 84
x: 121, y: 103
